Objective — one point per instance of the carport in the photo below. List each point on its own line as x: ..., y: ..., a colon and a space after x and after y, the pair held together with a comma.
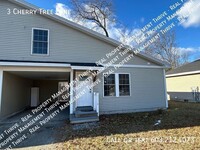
x: 18, y: 84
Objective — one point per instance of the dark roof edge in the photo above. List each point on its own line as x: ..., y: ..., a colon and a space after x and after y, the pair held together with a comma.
x: 72, y: 63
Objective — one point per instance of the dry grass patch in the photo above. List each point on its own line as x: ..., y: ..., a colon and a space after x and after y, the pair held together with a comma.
x: 178, y: 128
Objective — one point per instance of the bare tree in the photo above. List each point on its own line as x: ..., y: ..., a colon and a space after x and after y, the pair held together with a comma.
x: 98, y: 11
x: 165, y: 48
x: 125, y: 35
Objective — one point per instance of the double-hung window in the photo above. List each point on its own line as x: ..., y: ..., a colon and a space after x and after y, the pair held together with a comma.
x: 40, y: 41
x: 117, y: 85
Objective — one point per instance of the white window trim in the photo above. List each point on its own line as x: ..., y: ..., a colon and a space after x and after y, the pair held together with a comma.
x: 32, y: 42
x: 117, y: 85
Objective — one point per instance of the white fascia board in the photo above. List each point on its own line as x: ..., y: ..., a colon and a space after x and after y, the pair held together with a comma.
x: 85, y: 68
x: 182, y: 74
x: 27, y: 64
x: 136, y: 66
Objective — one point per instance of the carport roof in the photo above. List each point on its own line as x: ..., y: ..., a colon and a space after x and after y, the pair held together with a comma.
x: 67, y: 63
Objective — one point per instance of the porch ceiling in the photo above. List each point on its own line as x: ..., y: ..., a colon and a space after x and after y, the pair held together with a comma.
x: 42, y: 75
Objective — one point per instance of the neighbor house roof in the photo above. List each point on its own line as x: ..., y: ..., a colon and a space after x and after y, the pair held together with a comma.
x: 85, y: 30
x: 191, y: 68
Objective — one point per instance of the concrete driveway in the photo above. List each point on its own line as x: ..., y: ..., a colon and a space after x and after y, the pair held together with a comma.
x: 47, y: 134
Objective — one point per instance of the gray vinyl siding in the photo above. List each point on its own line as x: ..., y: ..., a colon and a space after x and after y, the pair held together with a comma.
x: 15, y: 94
x: 147, y: 92
x: 66, y: 44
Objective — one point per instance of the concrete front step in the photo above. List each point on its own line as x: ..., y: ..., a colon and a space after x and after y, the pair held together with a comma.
x: 80, y: 114
x: 84, y: 108
x: 75, y: 120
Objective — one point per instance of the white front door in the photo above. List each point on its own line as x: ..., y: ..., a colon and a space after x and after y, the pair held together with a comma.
x: 86, y: 98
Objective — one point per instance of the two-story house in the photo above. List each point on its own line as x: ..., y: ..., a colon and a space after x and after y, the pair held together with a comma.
x: 46, y: 52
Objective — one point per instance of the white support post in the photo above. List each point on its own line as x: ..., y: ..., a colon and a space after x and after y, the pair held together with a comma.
x: 1, y: 86
x: 97, y: 96
x: 96, y: 102
x: 71, y: 92
x: 165, y: 88
x: 117, y: 84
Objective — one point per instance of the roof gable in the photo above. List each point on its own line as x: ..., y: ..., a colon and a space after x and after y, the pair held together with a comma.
x: 86, y: 31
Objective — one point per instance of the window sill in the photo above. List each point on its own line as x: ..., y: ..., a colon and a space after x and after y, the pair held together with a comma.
x: 47, y: 55
x: 115, y: 96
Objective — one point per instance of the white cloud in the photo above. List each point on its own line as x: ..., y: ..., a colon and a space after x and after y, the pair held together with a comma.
x: 190, y: 50
x: 190, y: 13
x: 63, y: 11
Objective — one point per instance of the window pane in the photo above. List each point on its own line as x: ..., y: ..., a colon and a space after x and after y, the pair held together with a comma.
x: 109, y: 90
x: 36, y: 32
x: 44, y: 48
x: 36, y: 38
x: 110, y: 79
x: 124, y: 90
x: 123, y: 78
x: 45, y: 38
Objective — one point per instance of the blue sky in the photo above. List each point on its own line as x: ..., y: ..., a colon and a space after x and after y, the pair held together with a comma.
x: 137, y: 13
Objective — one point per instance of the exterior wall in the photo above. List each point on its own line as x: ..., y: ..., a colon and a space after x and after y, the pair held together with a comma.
x: 66, y: 44
x: 147, y: 92
x: 15, y: 94
x: 180, y: 87
x: 46, y: 88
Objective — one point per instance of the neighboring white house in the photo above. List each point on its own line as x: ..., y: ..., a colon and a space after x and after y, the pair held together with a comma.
x: 49, y: 52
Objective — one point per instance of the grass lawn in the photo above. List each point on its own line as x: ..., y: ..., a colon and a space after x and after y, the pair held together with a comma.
x: 179, y: 128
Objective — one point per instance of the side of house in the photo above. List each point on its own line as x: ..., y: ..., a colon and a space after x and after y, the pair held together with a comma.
x: 183, y: 83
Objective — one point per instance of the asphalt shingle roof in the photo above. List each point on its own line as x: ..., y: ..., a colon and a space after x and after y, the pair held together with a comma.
x: 193, y: 66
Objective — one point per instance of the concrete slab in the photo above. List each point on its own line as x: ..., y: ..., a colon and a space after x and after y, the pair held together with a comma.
x: 44, y: 136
